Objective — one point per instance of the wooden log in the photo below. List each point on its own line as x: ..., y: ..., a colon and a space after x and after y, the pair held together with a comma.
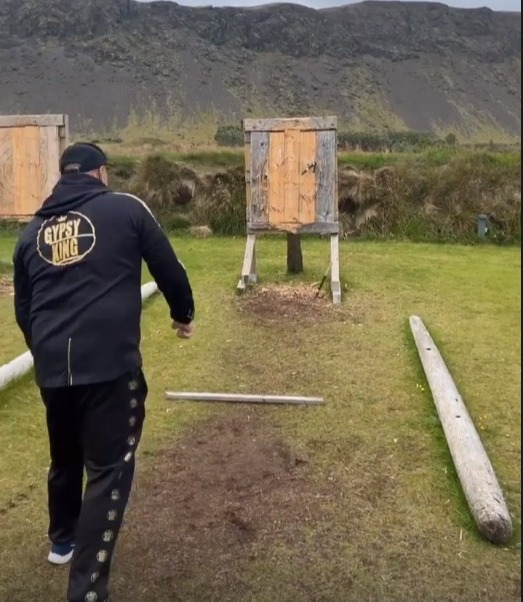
x: 294, y: 254
x: 241, y: 398
x: 475, y: 472
x: 15, y: 369
x: 22, y: 364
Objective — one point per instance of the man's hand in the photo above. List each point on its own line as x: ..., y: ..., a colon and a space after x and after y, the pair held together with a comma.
x: 185, y: 331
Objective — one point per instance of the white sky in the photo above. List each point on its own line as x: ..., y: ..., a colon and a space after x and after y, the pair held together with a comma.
x: 511, y: 5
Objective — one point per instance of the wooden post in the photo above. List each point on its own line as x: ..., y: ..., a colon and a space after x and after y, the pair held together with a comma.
x: 475, y: 472
x: 294, y: 254
x: 249, y: 264
x: 335, y: 269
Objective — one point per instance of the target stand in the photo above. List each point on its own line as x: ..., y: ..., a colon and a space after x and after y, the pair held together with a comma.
x: 291, y: 178
x: 30, y: 149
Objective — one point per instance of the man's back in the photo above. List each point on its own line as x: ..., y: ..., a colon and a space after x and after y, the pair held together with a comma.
x: 79, y: 276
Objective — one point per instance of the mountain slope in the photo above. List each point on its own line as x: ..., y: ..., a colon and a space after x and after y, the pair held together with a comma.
x: 421, y: 66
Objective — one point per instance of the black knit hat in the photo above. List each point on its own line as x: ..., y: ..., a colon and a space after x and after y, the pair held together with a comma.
x: 82, y: 157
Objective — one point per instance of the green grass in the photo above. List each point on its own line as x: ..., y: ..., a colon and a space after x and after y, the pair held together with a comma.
x: 201, y: 159
x: 124, y: 157
x: 395, y: 527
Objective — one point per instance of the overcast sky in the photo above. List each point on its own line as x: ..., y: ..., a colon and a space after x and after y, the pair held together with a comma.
x: 512, y: 5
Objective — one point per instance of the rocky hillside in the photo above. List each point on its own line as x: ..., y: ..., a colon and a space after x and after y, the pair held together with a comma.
x: 416, y: 65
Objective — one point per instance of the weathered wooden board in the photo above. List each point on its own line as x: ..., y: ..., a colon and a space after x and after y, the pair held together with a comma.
x: 258, y: 212
x: 291, y: 178
x: 307, y: 174
x: 35, y: 120
x: 7, y: 196
x: 277, y: 172
x: 30, y: 149
x: 326, y: 178
x: 299, y: 123
x: 317, y: 228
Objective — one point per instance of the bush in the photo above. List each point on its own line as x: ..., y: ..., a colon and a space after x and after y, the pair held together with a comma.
x: 229, y: 135
x: 387, y: 142
x: 436, y: 195
x: 433, y: 202
x: 223, y: 205
x: 166, y: 187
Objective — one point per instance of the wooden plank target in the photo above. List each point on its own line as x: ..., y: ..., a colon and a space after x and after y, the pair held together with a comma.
x: 30, y: 149
x: 291, y: 179
x: 291, y: 175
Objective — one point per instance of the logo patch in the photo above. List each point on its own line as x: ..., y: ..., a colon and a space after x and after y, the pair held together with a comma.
x: 66, y: 239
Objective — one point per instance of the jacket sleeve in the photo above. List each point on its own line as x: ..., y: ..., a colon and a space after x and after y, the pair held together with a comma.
x: 22, y: 295
x: 167, y: 270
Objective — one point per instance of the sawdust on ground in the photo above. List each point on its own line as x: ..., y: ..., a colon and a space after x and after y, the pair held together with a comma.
x: 285, y: 302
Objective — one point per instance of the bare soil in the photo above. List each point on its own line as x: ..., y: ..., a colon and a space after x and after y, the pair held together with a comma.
x: 206, y: 503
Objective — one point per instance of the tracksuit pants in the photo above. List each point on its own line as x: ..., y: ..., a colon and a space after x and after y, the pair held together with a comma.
x: 96, y: 427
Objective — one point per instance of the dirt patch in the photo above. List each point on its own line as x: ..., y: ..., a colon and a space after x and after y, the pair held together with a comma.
x: 6, y: 286
x: 284, y: 302
x: 204, y: 505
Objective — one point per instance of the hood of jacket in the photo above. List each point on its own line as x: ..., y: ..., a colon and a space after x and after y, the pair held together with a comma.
x: 71, y: 191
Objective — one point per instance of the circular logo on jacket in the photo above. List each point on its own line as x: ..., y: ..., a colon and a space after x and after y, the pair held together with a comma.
x: 66, y: 239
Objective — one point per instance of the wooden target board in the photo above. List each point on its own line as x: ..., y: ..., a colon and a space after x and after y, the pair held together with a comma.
x: 291, y: 178
x: 30, y: 149
x: 291, y: 175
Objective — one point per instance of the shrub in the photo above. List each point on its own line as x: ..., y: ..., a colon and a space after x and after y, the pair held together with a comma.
x: 165, y: 186
x: 436, y: 195
x: 229, y: 135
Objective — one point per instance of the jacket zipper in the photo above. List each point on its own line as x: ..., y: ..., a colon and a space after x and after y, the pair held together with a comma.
x: 69, y: 371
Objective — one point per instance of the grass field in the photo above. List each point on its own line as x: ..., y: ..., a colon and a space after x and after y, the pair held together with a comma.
x: 356, y: 500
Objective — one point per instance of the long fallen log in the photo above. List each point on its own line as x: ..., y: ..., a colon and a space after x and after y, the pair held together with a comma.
x: 475, y: 472
x: 241, y: 398
x: 22, y: 364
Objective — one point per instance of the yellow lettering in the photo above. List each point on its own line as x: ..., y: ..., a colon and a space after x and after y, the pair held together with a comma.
x: 55, y: 232
x: 61, y: 230
x: 56, y: 253
x: 69, y: 229
x: 76, y: 226
x: 48, y: 236
x: 66, y: 249
x: 73, y: 247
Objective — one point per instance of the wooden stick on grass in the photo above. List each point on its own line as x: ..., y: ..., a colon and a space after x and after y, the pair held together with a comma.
x: 241, y: 398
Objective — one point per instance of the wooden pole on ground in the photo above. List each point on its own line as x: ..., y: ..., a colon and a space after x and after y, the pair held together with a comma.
x: 475, y: 472
x: 240, y: 398
x: 22, y: 364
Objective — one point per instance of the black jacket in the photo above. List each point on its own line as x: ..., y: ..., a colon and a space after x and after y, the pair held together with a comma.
x: 77, y: 278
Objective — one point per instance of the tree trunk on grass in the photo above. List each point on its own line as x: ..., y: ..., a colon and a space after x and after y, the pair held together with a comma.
x: 294, y: 255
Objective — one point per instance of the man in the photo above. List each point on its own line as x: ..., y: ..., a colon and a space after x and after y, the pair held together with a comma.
x: 77, y: 277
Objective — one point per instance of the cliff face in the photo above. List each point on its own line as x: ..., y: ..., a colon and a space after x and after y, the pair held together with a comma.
x: 419, y: 65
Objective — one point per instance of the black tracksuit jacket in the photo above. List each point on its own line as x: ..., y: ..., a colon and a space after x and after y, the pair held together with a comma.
x: 77, y: 278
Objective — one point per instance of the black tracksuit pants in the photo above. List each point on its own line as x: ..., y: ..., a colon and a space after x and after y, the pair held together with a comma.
x: 96, y: 427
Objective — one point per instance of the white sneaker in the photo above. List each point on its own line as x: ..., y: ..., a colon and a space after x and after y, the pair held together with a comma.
x: 60, y: 553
